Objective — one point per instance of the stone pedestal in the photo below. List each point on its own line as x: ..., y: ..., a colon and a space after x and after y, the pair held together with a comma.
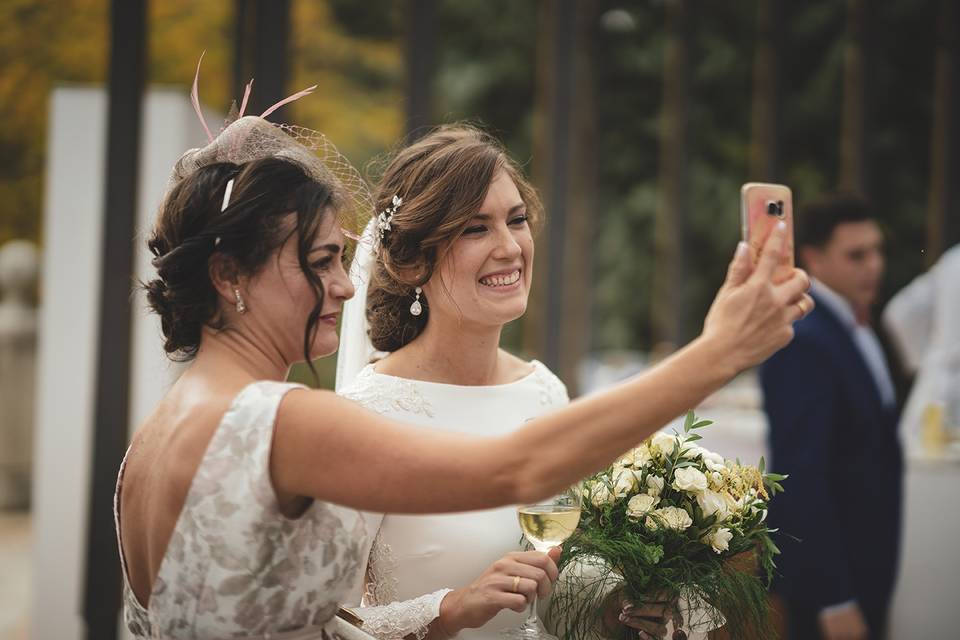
x: 18, y: 356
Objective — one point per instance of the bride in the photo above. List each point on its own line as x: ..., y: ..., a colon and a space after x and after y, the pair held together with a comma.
x: 451, y: 264
x: 235, y: 502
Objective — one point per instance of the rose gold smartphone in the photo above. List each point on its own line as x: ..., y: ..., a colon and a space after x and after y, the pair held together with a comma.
x: 762, y: 206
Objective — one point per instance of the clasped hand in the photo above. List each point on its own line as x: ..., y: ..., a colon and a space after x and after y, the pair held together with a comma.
x: 512, y: 582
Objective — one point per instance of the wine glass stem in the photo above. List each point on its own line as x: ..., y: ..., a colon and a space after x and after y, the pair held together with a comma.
x: 532, y: 618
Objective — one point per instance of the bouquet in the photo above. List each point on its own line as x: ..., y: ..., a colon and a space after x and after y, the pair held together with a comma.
x: 667, y: 522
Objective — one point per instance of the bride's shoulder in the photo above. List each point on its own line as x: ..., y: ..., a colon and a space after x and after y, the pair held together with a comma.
x: 552, y: 388
x: 361, y: 384
x: 386, y: 394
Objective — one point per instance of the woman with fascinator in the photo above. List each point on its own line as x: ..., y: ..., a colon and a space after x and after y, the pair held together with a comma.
x: 236, y: 500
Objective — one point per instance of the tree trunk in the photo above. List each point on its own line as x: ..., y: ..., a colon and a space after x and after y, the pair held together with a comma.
x: 764, y: 134
x: 852, y: 174
x: 943, y: 136
x: 667, y: 301
x: 557, y: 326
x: 262, y: 51
x: 421, y: 37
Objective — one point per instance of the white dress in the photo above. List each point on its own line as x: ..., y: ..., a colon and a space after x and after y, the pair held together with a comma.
x: 235, y: 566
x: 414, y: 561
x: 923, y: 320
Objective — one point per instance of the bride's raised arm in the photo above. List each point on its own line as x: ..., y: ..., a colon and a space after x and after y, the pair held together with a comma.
x: 321, y: 439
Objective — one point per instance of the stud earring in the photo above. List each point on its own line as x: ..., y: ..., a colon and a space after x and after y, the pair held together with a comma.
x: 416, y: 308
x: 241, y: 307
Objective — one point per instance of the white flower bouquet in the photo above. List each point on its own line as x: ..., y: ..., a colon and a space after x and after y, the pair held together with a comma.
x: 668, y: 522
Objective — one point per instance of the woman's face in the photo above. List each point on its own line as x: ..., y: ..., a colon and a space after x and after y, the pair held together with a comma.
x: 485, y: 277
x: 279, y: 298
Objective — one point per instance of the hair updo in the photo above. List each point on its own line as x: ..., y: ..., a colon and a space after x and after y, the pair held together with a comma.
x: 190, y: 229
x: 443, y: 179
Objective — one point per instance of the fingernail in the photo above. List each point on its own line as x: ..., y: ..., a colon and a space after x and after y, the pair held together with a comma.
x: 622, y: 618
x: 741, y: 248
x: 627, y: 607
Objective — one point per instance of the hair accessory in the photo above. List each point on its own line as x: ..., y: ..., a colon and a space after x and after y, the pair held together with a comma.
x: 416, y: 308
x: 245, y: 138
x: 386, y: 217
x: 241, y: 307
x: 227, y: 191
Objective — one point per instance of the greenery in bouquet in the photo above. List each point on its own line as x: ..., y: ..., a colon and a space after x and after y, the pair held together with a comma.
x: 668, y: 522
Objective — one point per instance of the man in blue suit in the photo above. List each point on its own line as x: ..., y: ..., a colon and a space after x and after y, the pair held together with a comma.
x: 832, y: 410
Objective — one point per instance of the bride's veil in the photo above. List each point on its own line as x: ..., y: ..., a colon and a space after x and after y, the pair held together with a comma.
x: 356, y: 350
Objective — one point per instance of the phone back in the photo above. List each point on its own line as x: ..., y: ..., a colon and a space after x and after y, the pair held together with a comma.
x: 762, y: 206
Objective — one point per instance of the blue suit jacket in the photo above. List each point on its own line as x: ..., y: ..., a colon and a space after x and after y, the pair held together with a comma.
x: 830, y: 432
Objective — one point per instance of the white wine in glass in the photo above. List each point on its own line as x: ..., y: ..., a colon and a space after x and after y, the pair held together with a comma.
x: 548, y: 525
x: 545, y: 524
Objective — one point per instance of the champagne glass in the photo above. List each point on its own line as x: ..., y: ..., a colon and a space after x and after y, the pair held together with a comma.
x: 545, y: 524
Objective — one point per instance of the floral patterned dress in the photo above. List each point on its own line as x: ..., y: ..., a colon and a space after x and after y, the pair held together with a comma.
x: 235, y: 566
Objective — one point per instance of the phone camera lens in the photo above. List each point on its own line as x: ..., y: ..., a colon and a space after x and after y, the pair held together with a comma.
x: 775, y: 208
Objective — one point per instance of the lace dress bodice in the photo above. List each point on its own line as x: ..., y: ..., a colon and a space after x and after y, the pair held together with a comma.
x: 414, y: 561
x: 235, y: 566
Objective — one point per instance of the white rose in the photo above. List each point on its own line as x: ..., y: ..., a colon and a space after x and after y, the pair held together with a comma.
x: 689, y: 479
x: 624, y: 482
x: 663, y: 443
x: 654, y: 485
x: 640, y: 505
x: 694, y: 450
x: 720, y: 540
x: 714, y: 461
x: 641, y: 456
x: 600, y: 495
x: 712, y: 503
x: 671, y: 517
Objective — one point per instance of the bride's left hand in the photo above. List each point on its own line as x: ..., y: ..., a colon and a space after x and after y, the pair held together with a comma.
x: 648, y: 618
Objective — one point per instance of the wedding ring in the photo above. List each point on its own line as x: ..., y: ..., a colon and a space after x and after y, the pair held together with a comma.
x: 516, y: 583
x: 802, y: 306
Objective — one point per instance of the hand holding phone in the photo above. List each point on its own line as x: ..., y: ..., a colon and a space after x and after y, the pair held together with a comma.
x: 762, y: 206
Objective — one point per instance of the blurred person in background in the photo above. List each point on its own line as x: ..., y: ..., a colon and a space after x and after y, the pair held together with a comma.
x: 832, y: 409
x: 924, y: 322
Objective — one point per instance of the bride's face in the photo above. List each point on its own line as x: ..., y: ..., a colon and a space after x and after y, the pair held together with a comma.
x: 485, y: 277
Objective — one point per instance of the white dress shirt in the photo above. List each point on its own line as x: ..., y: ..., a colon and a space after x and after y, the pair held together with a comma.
x: 863, y: 336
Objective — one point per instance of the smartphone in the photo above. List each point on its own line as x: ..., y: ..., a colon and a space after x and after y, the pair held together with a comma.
x: 762, y: 206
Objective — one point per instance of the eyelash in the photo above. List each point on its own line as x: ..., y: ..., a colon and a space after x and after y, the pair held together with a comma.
x: 322, y: 264
x: 518, y: 221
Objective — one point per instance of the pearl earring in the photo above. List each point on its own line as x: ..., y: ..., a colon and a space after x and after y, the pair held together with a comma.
x: 241, y: 307
x: 416, y: 308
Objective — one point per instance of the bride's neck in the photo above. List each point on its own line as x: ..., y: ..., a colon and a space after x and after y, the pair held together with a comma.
x: 452, y: 355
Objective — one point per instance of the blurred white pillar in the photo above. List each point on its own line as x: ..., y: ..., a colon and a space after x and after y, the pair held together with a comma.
x: 73, y: 218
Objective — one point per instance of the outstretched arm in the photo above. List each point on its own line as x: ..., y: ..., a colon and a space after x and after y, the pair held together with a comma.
x: 320, y: 438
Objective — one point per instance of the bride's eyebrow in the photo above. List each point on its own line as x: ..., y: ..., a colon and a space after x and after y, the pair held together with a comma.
x: 514, y: 209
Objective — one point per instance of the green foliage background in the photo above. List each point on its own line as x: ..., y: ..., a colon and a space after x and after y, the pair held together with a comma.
x: 485, y: 70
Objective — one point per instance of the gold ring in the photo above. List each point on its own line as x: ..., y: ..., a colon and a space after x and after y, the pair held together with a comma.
x: 802, y: 306
x: 516, y: 583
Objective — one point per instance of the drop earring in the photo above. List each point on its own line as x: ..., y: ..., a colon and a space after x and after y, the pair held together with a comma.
x: 241, y: 307
x: 416, y: 308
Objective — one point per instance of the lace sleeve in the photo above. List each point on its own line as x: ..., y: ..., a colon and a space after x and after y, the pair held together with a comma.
x: 398, y: 620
